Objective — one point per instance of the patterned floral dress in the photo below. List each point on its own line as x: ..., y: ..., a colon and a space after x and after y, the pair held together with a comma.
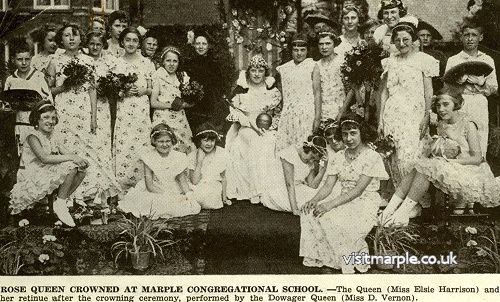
x: 35, y: 180
x: 41, y: 62
x: 133, y: 125
x: 73, y: 130
x: 405, y: 107
x: 297, y: 117
x: 470, y: 183
x: 332, y: 89
x: 341, y: 231
x: 177, y: 120
x: 248, y: 152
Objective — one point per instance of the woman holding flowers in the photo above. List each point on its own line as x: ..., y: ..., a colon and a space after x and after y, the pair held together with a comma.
x: 249, y: 146
x: 71, y: 78
x: 103, y: 63
x: 167, y: 102
x: 406, y: 98
x: 133, y: 123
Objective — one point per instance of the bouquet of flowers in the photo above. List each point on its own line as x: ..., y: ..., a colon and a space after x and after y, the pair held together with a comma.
x: 191, y: 92
x: 385, y: 146
x: 363, y: 65
x: 112, y: 84
x: 444, y: 147
x: 77, y: 74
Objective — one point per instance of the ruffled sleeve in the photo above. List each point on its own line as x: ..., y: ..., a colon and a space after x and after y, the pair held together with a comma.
x: 373, y: 166
x: 288, y: 155
x: 429, y: 65
x: 336, y: 163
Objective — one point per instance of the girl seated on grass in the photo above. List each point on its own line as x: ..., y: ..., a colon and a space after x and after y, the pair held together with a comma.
x: 45, y: 166
x: 165, y: 192
x: 207, y: 169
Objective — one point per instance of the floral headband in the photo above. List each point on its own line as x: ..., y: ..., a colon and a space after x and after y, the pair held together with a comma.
x: 349, y: 121
x: 257, y: 61
x: 332, y: 125
x: 390, y: 3
x: 170, y: 49
x: 219, y: 136
x: 45, y: 106
x: 164, y: 131
x: 310, y: 143
x: 405, y: 25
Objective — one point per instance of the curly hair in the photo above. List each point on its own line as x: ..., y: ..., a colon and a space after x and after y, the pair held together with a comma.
x: 75, y: 30
x: 100, y: 36
x: 127, y: 31
x: 354, y: 121
x: 39, y: 34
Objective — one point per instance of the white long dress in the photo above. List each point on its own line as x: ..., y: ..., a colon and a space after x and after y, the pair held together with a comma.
x: 170, y: 203
x: 405, y: 107
x: 297, y: 117
x: 341, y: 231
x: 248, y: 152
x: 208, y: 192
x: 332, y: 88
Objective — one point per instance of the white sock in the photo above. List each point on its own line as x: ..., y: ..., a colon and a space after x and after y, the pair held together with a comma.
x: 392, y: 205
x: 402, y: 214
x: 61, y: 210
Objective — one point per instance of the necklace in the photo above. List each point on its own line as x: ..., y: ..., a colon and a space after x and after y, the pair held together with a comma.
x: 354, y: 154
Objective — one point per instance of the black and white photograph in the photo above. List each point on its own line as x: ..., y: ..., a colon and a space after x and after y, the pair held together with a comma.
x: 249, y: 137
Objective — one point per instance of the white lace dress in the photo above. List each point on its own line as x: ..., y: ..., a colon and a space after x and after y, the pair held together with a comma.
x: 177, y: 120
x: 35, y: 180
x: 133, y: 125
x: 471, y: 183
x: 342, y: 231
x: 332, y: 89
x: 248, y: 152
x: 297, y: 116
x: 405, y: 107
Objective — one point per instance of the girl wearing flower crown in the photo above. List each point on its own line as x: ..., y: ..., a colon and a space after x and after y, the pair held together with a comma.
x: 335, y: 226
x: 133, y: 122
x: 207, y: 169
x: 166, y: 102
x: 164, y: 192
x: 466, y: 176
x: 406, y: 99
x: 248, y: 144
x: 302, y: 170
x: 46, y: 166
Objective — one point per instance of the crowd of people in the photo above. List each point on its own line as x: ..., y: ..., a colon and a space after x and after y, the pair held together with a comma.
x: 293, y: 146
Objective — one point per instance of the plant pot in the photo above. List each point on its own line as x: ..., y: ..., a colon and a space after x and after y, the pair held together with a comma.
x: 140, y: 260
x: 383, y: 266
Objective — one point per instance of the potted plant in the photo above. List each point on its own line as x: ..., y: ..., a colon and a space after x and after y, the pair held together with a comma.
x: 141, y: 241
x: 393, y: 241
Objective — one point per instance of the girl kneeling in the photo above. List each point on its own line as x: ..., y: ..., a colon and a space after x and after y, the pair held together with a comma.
x: 334, y: 227
x: 165, y: 190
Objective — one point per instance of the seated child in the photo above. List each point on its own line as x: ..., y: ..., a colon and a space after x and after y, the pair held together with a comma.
x: 207, y: 169
x: 45, y: 167
x: 165, y: 189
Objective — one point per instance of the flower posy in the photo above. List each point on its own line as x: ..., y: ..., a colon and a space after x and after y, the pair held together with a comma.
x: 23, y: 222
x: 77, y: 74
x: 48, y: 238
x: 471, y: 230
x: 43, y: 258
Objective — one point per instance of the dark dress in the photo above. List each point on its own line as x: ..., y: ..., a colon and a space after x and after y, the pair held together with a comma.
x: 212, y: 108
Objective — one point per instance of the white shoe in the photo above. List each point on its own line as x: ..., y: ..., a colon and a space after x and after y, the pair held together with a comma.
x: 402, y: 215
x: 61, y: 210
x: 389, y: 210
x: 416, y: 211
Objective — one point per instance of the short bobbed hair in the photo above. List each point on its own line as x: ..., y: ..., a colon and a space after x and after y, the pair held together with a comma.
x: 40, y: 108
x: 160, y: 130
